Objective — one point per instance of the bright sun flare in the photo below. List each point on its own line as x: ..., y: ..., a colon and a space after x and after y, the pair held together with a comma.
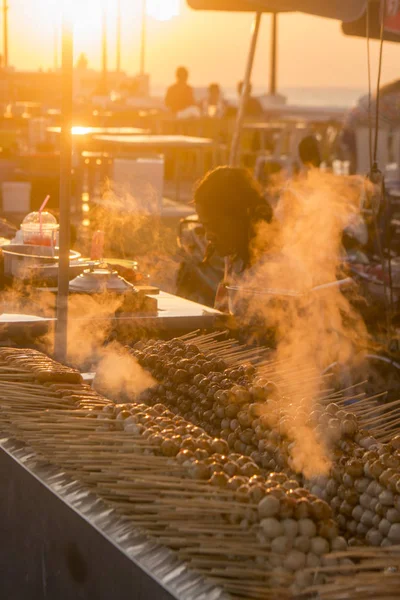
x: 163, y: 10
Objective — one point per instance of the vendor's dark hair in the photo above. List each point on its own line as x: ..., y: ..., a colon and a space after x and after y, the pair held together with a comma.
x: 233, y: 191
x: 309, y: 151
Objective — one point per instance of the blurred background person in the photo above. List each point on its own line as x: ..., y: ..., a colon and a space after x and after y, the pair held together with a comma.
x: 214, y: 105
x: 253, y: 106
x: 180, y: 95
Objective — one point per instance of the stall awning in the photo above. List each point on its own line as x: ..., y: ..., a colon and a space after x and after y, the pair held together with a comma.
x: 342, y: 10
x: 391, y: 23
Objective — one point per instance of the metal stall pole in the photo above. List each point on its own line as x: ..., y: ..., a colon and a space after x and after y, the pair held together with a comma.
x: 55, y: 40
x: 60, y: 342
x: 5, y: 34
x: 233, y: 157
x: 143, y: 39
x: 118, y: 52
x: 274, y: 54
x: 104, y: 51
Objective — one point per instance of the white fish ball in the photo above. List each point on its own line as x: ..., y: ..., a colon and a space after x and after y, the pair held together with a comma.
x: 367, y: 442
x: 375, y: 521
x: 393, y: 515
x: 338, y: 544
x: 357, y: 512
x: 384, y: 526
x: 307, y: 527
x: 281, y: 545
x: 365, y: 500
x: 361, y: 484
x: 362, y: 529
x: 372, y: 488
x: 295, y: 560
x: 373, y: 503
x: 302, y: 543
x: 329, y: 561
x: 312, y: 560
x: 386, y: 498
x: 374, y: 537
x: 386, y: 543
x: 316, y: 491
x: 394, y: 533
x: 271, y: 527
x: 132, y: 428
x: 367, y: 517
x: 303, y: 579
x: 331, y: 488
x: 290, y: 527
x: 319, y: 545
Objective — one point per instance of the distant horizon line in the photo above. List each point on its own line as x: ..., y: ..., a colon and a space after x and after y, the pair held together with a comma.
x: 233, y: 85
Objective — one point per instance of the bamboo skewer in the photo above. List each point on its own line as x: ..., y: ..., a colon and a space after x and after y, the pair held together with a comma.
x: 152, y: 492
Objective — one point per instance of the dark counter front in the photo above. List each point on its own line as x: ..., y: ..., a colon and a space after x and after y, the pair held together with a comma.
x: 52, y: 550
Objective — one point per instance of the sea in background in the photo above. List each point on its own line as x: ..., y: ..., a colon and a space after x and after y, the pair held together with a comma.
x: 316, y: 96
x: 340, y: 97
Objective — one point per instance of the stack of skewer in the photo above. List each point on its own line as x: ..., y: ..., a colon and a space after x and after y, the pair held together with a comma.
x: 202, y: 462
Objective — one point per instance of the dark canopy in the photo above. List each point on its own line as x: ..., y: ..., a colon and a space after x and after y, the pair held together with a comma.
x: 342, y: 10
x: 358, y: 28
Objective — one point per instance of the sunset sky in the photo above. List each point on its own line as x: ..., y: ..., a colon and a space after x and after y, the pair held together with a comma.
x: 312, y: 51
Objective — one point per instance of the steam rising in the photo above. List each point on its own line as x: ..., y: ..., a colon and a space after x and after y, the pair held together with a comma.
x: 119, y: 373
x: 90, y: 323
x: 134, y: 229
x: 313, y: 328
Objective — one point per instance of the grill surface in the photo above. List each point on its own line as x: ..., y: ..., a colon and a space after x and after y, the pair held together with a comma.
x: 62, y: 542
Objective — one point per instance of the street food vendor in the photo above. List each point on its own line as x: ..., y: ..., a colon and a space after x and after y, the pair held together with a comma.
x: 231, y: 207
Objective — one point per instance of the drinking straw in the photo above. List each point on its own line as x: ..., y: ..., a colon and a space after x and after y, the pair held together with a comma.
x: 41, y: 209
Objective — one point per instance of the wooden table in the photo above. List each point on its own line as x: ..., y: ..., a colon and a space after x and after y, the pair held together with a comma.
x: 174, y: 316
x: 159, y: 142
x: 85, y: 131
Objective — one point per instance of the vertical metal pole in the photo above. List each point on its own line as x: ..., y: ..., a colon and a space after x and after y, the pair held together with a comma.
x: 56, y: 47
x: 5, y: 34
x: 60, y: 346
x: 104, y: 49
x: 143, y: 39
x: 119, y: 36
x: 274, y: 55
x: 234, y: 153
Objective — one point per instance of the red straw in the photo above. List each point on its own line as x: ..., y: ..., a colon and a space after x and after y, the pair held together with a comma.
x: 45, y: 201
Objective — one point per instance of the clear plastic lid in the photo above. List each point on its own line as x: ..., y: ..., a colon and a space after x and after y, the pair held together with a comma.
x: 34, y: 218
